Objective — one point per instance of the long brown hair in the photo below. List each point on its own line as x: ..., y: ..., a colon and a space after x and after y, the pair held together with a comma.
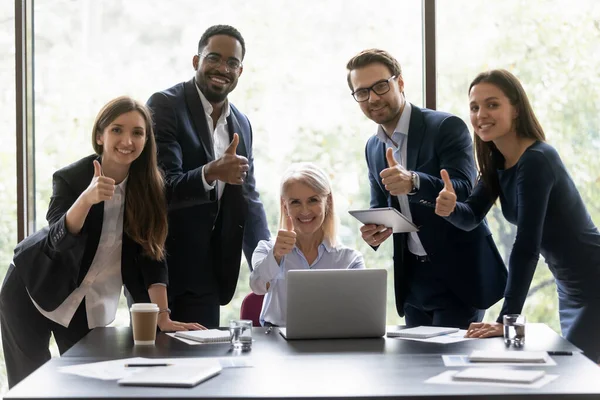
x: 489, y: 159
x: 145, y: 202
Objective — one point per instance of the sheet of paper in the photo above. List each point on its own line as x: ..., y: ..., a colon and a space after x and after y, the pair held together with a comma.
x: 445, y: 378
x: 443, y: 339
x: 105, y: 370
x: 462, y: 360
x: 116, y: 369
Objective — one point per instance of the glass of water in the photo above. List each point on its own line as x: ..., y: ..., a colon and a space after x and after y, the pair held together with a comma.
x: 241, y: 334
x: 514, y: 330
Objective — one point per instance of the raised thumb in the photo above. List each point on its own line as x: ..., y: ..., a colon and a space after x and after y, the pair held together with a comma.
x: 289, y: 223
x: 389, y: 154
x: 97, y: 169
x: 233, y: 145
x: 447, y: 182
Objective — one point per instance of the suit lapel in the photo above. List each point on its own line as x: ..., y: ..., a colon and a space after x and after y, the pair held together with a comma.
x: 416, y: 132
x: 233, y: 126
x: 198, y: 114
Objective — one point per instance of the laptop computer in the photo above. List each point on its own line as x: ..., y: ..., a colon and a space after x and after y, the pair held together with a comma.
x: 336, y: 303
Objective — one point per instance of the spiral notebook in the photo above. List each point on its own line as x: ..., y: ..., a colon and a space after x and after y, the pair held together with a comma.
x: 206, y: 336
x: 421, y: 332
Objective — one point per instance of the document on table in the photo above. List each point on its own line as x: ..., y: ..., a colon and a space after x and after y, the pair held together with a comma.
x: 539, y: 357
x: 454, y: 337
x: 173, y: 375
x: 117, y: 369
x: 462, y: 360
x: 447, y: 378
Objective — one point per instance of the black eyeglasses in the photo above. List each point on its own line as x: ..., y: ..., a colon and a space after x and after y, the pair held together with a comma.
x: 215, y: 60
x: 380, y: 88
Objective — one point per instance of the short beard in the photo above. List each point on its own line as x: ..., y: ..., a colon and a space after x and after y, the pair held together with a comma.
x: 213, y: 97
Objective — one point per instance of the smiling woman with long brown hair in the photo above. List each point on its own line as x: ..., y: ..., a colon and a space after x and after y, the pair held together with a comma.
x: 537, y: 195
x: 107, y: 228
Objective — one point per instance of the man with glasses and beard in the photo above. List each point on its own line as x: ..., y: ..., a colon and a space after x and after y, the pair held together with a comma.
x: 205, y: 149
x: 443, y: 276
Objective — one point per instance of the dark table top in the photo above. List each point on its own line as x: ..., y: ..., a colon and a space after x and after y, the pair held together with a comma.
x: 383, y: 368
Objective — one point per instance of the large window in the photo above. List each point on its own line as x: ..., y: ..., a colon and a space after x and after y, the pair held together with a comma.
x: 8, y: 192
x: 553, y: 49
x: 293, y: 87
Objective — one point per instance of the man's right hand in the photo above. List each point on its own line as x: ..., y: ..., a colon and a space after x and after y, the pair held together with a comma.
x: 286, y: 240
x: 230, y: 168
x: 374, y: 235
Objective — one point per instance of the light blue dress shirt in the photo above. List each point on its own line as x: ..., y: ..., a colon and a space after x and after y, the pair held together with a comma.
x: 266, y: 270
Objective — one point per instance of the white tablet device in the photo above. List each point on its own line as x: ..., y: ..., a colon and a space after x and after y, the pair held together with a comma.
x: 388, y: 216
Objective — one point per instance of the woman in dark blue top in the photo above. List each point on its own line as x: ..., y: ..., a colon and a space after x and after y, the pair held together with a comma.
x: 538, y: 195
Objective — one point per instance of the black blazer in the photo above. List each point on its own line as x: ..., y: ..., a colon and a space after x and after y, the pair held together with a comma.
x: 469, y: 261
x: 205, y: 238
x: 52, y: 262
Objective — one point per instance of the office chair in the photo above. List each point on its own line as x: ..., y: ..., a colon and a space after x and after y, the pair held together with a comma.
x: 251, y: 307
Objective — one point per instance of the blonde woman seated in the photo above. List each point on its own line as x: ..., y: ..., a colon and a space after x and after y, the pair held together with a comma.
x: 306, y: 240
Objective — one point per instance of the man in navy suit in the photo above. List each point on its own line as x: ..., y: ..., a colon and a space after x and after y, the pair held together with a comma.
x: 443, y: 276
x: 205, y: 149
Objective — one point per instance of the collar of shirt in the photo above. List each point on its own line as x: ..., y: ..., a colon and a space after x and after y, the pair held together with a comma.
x: 324, y: 246
x: 401, y: 128
x: 208, y: 108
x: 121, y: 187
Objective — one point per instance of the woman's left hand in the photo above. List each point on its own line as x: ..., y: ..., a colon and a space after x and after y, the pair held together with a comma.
x: 484, y: 330
x: 166, y: 325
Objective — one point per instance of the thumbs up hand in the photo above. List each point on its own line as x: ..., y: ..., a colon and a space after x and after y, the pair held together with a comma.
x: 230, y: 168
x: 101, y: 188
x: 446, y: 200
x: 396, y: 178
x: 286, y: 240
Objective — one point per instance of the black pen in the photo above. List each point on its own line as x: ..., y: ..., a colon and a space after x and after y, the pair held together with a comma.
x: 560, y: 353
x: 147, y: 365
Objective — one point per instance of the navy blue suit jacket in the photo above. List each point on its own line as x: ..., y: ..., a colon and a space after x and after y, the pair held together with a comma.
x: 468, y: 261
x: 206, y: 238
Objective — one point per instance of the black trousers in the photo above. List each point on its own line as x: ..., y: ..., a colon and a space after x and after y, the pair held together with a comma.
x: 430, y: 302
x: 26, y: 332
x: 192, y: 307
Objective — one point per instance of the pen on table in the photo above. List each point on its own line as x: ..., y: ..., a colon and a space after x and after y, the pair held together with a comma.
x: 147, y: 365
x: 560, y: 353
x: 269, y: 329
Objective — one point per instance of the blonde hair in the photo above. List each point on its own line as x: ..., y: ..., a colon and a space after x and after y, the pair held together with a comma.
x: 315, y: 178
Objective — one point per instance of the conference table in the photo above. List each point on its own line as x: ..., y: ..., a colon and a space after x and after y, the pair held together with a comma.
x: 376, y: 368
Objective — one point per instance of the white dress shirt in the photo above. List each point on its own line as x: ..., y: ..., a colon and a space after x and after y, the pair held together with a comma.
x: 102, y: 284
x: 266, y: 270
x: 400, y: 136
x: 220, y: 135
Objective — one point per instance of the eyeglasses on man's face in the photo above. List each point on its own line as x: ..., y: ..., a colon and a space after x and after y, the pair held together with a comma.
x: 380, y: 88
x: 215, y: 61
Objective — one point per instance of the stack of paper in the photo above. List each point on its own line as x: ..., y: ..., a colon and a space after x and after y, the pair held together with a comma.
x: 509, y: 356
x: 498, y: 375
